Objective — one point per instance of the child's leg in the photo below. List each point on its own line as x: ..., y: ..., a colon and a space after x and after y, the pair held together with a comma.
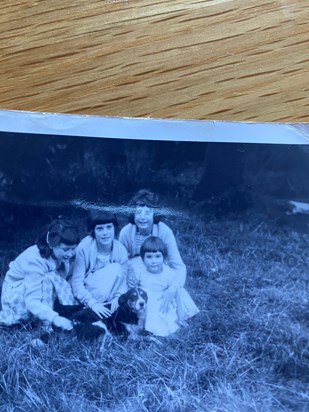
x: 105, y: 282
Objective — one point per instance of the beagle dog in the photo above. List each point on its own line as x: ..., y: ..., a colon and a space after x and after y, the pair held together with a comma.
x: 129, y: 318
x: 128, y: 321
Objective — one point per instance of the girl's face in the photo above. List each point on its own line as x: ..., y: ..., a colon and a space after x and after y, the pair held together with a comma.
x: 143, y: 218
x: 154, y: 261
x: 63, y: 252
x: 104, y: 234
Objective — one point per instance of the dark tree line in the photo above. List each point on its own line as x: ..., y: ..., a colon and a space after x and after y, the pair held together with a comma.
x: 52, y: 171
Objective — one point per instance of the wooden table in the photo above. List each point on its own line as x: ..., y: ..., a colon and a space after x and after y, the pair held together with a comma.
x: 202, y: 59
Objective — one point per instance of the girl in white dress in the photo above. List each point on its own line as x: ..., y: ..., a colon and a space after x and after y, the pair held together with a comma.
x: 168, y: 304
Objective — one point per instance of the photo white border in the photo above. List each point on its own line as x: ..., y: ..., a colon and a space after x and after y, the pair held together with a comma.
x: 153, y: 129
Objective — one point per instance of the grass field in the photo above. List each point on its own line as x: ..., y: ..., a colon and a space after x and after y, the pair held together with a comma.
x: 247, y: 350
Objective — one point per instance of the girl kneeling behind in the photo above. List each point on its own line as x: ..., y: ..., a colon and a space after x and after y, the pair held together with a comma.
x: 168, y: 304
x: 38, y: 276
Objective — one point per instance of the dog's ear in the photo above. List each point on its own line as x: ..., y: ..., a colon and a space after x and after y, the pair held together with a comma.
x: 123, y: 299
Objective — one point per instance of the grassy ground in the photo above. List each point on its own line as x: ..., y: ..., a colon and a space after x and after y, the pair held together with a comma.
x: 247, y: 350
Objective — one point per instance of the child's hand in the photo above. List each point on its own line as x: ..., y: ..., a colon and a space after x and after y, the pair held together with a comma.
x: 114, y: 304
x: 167, y: 298
x: 101, y: 310
x: 63, y: 323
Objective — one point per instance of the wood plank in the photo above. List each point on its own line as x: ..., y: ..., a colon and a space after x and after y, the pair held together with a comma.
x: 220, y: 59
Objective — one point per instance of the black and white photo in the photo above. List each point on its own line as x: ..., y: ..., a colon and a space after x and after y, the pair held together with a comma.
x: 154, y: 274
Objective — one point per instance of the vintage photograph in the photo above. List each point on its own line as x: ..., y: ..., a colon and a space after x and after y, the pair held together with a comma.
x: 153, y: 275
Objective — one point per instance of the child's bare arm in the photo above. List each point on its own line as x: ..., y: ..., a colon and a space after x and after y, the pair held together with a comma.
x: 132, y: 278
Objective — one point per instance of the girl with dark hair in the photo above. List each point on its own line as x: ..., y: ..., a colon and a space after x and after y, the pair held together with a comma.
x: 163, y: 316
x: 98, y: 278
x: 39, y: 276
x: 145, y: 222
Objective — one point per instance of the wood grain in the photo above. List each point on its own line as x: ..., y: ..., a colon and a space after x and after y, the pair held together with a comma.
x: 203, y: 59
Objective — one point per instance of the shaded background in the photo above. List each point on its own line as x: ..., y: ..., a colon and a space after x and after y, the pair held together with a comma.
x: 42, y: 176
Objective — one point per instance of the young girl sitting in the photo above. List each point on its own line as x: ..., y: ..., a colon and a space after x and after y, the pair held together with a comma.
x: 168, y: 304
x: 98, y: 278
x: 38, y: 276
